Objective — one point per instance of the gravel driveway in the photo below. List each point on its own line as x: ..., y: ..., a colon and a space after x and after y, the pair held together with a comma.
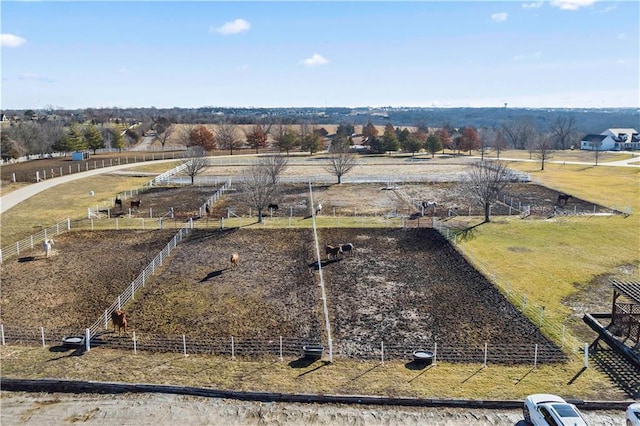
x: 166, y: 409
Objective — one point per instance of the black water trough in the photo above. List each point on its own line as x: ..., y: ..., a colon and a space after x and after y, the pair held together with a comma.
x: 424, y: 357
x: 312, y: 351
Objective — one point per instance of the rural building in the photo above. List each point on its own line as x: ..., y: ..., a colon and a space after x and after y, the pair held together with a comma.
x: 612, y: 140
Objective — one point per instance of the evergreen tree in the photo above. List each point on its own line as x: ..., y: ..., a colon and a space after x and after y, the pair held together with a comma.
x: 93, y: 138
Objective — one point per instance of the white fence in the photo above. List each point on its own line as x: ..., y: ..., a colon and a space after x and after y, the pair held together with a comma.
x: 130, y: 291
x: 546, y: 321
x: 34, y: 240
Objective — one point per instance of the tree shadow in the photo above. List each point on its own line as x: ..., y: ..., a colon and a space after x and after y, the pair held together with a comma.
x: 213, y: 275
x: 467, y: 234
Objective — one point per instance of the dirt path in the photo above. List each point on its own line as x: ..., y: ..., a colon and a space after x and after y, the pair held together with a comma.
x: 163, y: 409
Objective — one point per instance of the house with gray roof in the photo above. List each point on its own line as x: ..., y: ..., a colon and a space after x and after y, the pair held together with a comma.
x: 612, y: 140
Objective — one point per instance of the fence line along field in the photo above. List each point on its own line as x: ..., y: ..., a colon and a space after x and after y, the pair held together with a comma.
x: 406, y: 287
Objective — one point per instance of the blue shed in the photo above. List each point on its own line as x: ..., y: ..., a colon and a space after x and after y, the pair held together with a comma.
x: 80, y: 155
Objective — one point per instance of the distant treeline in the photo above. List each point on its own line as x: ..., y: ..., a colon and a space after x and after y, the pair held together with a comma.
x: 592, y: 120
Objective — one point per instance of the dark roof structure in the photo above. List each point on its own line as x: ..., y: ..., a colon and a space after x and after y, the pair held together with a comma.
x: 594, y: 138
x: 628, y: 289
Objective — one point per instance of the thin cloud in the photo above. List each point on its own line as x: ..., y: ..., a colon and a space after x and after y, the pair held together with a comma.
x: 536, y: 55
x: 572, y: 4
x: 609, y: 9
x: 11, y: 40
x: 535, y: 5
x: 233, y: 27
x: 499, y: 17
x: 35, y: 77
x: 315, y: 61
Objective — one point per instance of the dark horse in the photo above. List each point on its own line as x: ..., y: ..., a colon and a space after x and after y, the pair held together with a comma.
x: 135, y: 204
x: 563, y: 197
x: 273, y: 207
x: 118, y: 202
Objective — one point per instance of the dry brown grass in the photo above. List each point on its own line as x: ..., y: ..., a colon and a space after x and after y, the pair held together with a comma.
x: 342, y: 377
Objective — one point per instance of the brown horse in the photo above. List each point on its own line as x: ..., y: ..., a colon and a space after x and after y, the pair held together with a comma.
x: 332, y: 251
x: 135, y: 204
x: 119, y: 320
x: 234, y: 260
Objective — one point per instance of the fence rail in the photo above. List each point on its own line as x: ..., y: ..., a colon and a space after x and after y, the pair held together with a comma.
x: 34, y: 240
x: 548, y: 323
x: 130, y: 291
x: 279, y: 346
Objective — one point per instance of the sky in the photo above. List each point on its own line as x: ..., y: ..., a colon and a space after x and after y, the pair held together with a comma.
x: 164, y: 54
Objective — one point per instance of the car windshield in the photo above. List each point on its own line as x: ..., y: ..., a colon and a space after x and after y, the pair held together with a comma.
x: 565, y: 410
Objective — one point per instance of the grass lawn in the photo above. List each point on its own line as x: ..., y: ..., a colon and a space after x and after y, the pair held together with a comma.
x: 68, y: 200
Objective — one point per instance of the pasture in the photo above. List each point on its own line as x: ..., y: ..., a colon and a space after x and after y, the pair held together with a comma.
x: 405, y: 287
x: 559, y: 272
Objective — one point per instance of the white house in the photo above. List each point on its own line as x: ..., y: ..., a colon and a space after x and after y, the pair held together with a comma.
x: 612, y: 140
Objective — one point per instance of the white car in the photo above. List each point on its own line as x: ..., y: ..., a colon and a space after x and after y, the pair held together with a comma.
x: 633, y: 414
x: 544, y: 409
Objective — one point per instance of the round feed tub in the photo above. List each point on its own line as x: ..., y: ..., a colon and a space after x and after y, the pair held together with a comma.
x: 423, y: 357
x: 72, y: 341
x: 312, y: 351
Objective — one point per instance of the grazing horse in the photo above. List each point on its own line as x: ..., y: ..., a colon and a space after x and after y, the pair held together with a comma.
x: 427, y: 204
x: 47, y: 246
x: 118, y: 202
x: 234, y: 260
x: 318, y: 209
x: 563, y: 197
x: 119, y: 320
x: 348, y: 247
x: 273, y: 207
x: 135, y: 204
x: 332, y: 251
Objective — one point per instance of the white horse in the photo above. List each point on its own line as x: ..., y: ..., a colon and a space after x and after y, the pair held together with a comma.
x: 318, y: 209
x: 47, y: 246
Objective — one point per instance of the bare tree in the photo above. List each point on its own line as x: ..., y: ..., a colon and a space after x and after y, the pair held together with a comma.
x: 340, y: 160
x: 163, y: 129
x: 257, y: 186
x: 196, y: 161
x: 184, y: 134
x: 499, y: 143
x: 484, y: 182
x: 519, y: 132
x: 274, y: 165
x: 226, y: 137
x: 543, y: 149
x: 563, y: 129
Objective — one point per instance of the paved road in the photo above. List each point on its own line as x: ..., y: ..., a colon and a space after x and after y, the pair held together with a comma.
x: 13, y: 198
